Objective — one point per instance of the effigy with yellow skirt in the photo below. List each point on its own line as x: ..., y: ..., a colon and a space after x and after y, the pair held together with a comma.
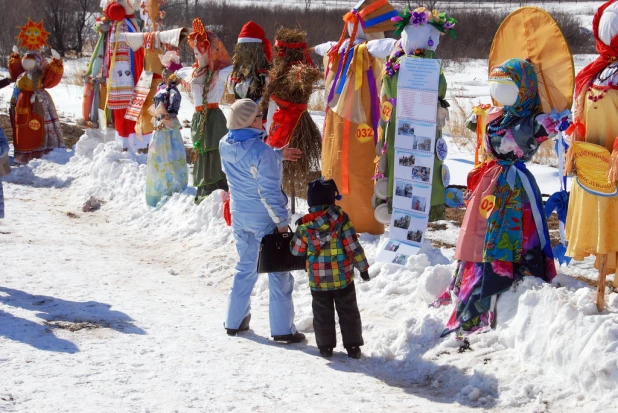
x: 592, y: 222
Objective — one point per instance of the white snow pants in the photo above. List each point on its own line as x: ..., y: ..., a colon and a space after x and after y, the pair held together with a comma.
x: 281, y: 285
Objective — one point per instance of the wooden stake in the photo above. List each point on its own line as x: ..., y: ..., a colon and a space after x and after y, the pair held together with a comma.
x: 601, y: 284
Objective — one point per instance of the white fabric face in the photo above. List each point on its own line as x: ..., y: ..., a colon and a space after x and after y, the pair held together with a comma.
x: 505, y: 93
x: 202, y: 59
x: 360, y: 34
x: 608, y: 25
x: 28, y: 64
x: 417, y: 37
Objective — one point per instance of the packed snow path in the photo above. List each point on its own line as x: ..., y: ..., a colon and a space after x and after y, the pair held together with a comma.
x: 148, y: 339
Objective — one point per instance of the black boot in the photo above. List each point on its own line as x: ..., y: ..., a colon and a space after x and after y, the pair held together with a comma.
x: 244, y: 326
x: 326, y: 351
x: 291, y: 338
x: 354, y: 352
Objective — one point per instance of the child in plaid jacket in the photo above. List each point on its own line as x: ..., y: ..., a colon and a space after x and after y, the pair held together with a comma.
x: 326, y: 235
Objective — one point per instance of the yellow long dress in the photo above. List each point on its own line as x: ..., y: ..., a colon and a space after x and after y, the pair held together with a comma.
x: 592, y: 221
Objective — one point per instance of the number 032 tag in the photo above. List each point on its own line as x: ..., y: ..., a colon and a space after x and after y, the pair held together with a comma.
x: 487, y: 205
x: 364, y: 133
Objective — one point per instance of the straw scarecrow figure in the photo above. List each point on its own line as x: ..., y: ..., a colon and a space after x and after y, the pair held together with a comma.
x: 292, y: 78
x: 252, y: 60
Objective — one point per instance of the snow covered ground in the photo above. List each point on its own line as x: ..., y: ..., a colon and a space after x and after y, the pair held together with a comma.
x: 121, y: 310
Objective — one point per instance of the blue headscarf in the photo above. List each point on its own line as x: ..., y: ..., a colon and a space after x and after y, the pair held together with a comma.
x: 528, y: 103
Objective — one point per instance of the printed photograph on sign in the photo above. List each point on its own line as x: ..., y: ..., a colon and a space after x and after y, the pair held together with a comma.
x: 415, y: 234
x: 392, y: 246
x: 402, y: 198
x: 403, y: 188
x: 397, y: 253
x: 419, y: 203
x: 423, y: 143
x: 412, y: 133
x: 422, y: 173
x: 407, y: 160
x: 400, y: 259
x: 405, y: 128
x: 402, y: 220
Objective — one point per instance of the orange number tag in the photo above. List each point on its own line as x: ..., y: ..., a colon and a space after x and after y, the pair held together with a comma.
x: 387, y: 111
x: 487, y: 205
x: 364, y: 133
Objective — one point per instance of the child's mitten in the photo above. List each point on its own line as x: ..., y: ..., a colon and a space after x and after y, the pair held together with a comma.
x: 365, y: 275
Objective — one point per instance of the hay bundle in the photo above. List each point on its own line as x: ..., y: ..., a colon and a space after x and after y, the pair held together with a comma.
x: 292, y: 79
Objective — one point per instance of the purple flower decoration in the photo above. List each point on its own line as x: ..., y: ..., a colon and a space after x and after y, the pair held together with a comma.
x: 448, y: 25
x: 396, y: 19
x: 419, y: 18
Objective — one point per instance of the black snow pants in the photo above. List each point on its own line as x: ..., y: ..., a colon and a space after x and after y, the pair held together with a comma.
x: 324, y: 304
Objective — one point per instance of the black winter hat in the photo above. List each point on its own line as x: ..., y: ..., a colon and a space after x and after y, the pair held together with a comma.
x: 322, y: 192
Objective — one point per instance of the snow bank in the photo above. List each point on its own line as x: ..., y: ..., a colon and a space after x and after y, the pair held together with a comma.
x: 550, y: 350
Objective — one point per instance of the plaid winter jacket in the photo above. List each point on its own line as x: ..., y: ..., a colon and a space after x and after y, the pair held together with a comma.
x: 327, y: 237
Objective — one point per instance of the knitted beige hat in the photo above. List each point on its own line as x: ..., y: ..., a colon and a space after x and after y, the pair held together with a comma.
x: 243, y: 113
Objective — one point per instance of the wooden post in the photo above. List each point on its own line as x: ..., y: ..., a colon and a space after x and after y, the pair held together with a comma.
x: 601, y: 284
x: 293, y: 201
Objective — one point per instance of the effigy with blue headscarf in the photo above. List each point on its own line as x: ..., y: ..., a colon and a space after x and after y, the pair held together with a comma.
x: 516, y: 242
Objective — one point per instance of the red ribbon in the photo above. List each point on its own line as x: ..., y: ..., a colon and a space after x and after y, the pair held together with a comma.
x: 298, y: 45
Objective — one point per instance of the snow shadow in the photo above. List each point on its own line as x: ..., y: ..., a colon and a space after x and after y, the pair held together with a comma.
x: 413, y: 374
x: 58, y: 314
x: 424, y: 378
x: 33, y: 334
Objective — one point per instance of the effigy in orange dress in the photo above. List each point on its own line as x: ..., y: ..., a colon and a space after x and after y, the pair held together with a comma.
x: 36, y: 127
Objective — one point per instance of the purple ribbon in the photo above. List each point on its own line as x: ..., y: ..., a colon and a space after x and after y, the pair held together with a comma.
x: 375, y: 107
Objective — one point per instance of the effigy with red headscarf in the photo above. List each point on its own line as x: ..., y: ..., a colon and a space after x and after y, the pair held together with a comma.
x: 592, y: 227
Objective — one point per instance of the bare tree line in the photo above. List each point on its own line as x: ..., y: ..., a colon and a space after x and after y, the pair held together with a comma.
x: 70, y: 23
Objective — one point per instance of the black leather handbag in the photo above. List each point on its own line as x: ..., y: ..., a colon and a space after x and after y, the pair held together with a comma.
x: 275, y: 254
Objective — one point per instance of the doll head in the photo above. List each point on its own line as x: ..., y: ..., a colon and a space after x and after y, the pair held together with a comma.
x: 422, y: 29
x: 208, y: 48
x: 608, y: 25
x: 33, y: 60
x: 513, y: 84
x: 420, y: 37
x: 119, y: 9
x: 368, y: 16
x: 503, y: 89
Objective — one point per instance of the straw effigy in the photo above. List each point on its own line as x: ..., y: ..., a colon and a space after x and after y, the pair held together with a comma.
x: 292, y: 79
